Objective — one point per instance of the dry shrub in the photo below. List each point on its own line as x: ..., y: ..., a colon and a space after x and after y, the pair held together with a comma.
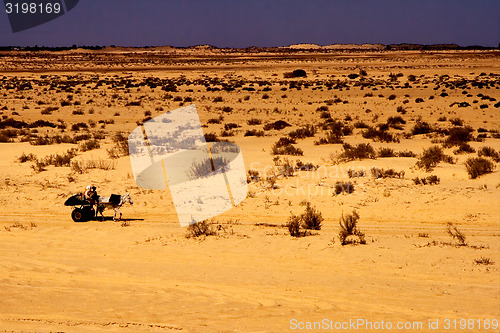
x: 198, y: 229
x: 85, y: 165
x: 284, y: 147
x: 343, y: 187
x: 431, y: 157
x: 484, y: 261
x: 390, y: 173
x: 89, y: 145
x: 358, y: 152
x: 121, y: 146
x: 431, y: 180
x: 489, y: 152
x: 456, y: 234
x: 348, y: 227
x: 477, y: 166
x: 311, y: 219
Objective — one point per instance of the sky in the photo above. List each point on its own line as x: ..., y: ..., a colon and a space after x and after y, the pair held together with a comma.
x: 245, y: 23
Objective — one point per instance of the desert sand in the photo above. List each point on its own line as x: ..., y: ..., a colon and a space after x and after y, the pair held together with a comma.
x: 142, y: 274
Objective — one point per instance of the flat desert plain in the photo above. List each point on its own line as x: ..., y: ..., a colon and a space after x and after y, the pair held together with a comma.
x: 384, y: 138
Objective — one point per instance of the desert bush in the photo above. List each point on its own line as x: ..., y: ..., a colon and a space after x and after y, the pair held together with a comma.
x: 360, y: 124
x: 457, y: 122
x: 358, y: 152
x: 230, y: 126
x: 294, y: 225
x: 431, y: 157
x: 49, y: 110
x: 489, y: 152
x: 421, y: 127
x: 78, y: 126
x: 348, y: 227
x: 295, y: 73
x: 38, y: 166
x: 26, y: 157
x: 464, y: 148
x: 379, y: 133
x: 406, y: 153
x: 277, y: 125
x: 304, y: 132
x: 215, y: 120
x: 4, y: 137
x: 356, y: 173
x: 484, y: 261
x: 396, y: 122
x: 430, y: 180
x: 458, y: 135
x: 284, y: 147
x: 60, y: 160
x: 204, y: 168
x: 254, y: 121
x: 390, y: 173
x: 41, y: 141
x: 89, y: 145
x: 311, y: 218
x: 225, y: 133
x: 386, y: 152
x: 336, y: 130
x: 253, y: 176
x: 308, y: 166
x: 401, y: 110
x: 83, y: 166
x: 343, y: 187
x: 202, y: 228
x: 254, y: 132
x: 456, y: 234
x: 477, y: 166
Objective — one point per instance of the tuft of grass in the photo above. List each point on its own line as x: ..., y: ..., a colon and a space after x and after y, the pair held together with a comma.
x: 483, y: 261
x: 85, y: 165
